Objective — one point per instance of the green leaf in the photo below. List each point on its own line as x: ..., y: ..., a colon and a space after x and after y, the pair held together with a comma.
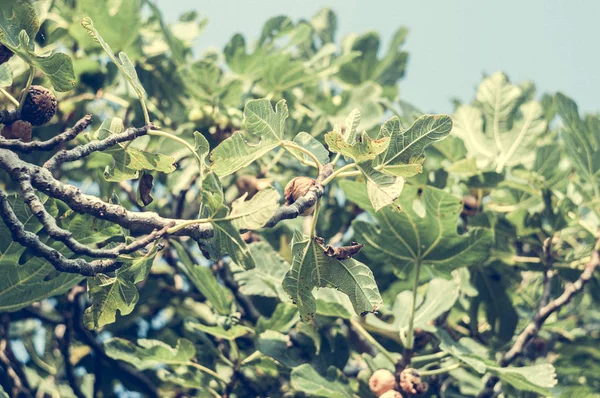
x: 582, y: 141
x: 333, y: 303
x: 119, y: 293
x: 404, y: 154
x: 311, y: 144
x: 382, y: 189
x: 367, y: 66
x: 424, y: 231
x: 254, y: 213
x: 149, y: 353
x: 283, y: 319
x: 499, y: 128
x: 265, y: 280
x: 109, y: 295
x: 306, y: 379
x: 231, y: 333
x: 262, y: 122
x: 227, y: 240
x: 6, y: 75
x: 279, y: 347
x: 537, y: 378
x: 123, y: 63
x: 465, y: 350
x: 120, y: 23
x: 128, y: 162
x: 204, y: 280
x: 17, y: 16
x: 365, y: 148
x: 355, y: 192
x: 312, y: 268
x: 18, y: 27
x: 440, y: 297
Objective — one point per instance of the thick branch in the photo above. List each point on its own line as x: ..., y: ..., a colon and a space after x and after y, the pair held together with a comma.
x: 48, y: 145
x: 94, y: 146
x: 30, y: 240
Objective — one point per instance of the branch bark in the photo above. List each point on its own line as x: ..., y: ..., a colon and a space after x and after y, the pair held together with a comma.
x: 542, y: 314
x: 52, y: 143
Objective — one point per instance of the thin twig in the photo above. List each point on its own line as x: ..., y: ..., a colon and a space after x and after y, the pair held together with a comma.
x: 52, y: 143
x: 94, y: 146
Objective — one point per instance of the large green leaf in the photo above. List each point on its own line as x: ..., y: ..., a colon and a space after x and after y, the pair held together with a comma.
x: 204, y: 280
x: 312, y: 268
x: 262, y: 122
x: 266, y: 278
x: 386, y: 71
x: 353, y: 143
x: 424, y: 231
x: 118, y: 293
x: 404, y: 154
x: 306, y: 379
x: 119, y: 22
x: 148, y: 354
x: 500, y: 129
x: 537, y: 378
x: 254, y: 213
x: 582, y: 140
x: 382, y: 189
x: 440, y: 297
x: 226, y: 238
x: 18, y: 27
x: 312, y: 145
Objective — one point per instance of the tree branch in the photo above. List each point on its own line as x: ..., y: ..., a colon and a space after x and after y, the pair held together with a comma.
x: 542, y: 314
x: 94, y: 146
x: 48, y: 145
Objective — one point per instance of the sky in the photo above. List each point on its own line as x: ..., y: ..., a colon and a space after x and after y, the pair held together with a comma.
x: 553, y: 43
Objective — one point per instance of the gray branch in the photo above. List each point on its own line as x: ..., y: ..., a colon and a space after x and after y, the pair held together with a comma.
x: 48, y: 145
x: 542, y: 314
x: 94, y: 146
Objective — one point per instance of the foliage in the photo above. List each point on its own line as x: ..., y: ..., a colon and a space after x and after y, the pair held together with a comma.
x: 425, y: 241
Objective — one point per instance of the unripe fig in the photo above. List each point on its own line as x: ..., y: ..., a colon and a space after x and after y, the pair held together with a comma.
x: 391, y: 394
x: 381, y: 381
x: 19, y: 130
x: 297, y: 188
x: 5, y: 54
x: 39, y: 106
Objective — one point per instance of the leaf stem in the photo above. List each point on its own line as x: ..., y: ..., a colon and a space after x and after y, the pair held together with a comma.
x: 10, y: 97
x: 255, y: 355
x: 206, y: 370
x: 430, y: 357
x: 27, y: 87
x: 313, y: 227
x: 338, y: 172
x: 367, y: 336
x: 410, y: 338
x: 440, y: 371
x: 293, y: 145
x: 173, y: 137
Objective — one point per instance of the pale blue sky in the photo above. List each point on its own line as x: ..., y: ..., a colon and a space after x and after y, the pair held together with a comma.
x: 556, y: 44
